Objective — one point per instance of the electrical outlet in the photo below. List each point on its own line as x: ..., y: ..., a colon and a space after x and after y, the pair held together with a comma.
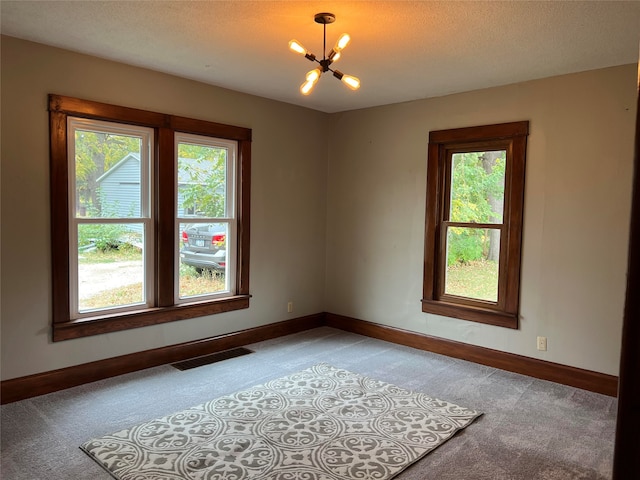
x: 542, y: 343
x: 290, y: 307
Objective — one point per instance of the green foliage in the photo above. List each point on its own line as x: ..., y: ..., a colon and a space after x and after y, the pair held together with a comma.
x: 465, y: 245
x: 202, y: 172
x: 474, y: 183
x: 104, y: 236
x: 477, y: 196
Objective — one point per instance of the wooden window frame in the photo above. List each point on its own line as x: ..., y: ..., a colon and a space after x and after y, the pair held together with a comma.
x: 164, y: 205
x: 511, y: 137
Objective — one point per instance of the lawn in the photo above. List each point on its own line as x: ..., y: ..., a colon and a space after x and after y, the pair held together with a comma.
x: 477, y: 279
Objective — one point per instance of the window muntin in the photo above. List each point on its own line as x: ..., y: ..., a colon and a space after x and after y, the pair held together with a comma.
x: 473, y: 225
x: 110, y: 217
x: 155, y: 217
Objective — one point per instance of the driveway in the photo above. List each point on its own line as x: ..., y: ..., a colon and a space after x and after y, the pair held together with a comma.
x: 98, y: 277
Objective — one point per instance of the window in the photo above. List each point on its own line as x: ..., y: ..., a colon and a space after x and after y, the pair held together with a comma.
x: 473, y: 231
x: 150, y: 217
x: 110, y: 217
x: 206, y: 216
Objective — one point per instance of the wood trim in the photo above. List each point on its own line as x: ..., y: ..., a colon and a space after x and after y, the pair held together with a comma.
x: 203, y: 127
x: 484, y: 132
x: 626, y: 458
x: 513, y: 244
x: 59, y: 187
x: 48, y: 382
x: 104, y: 111
x: 554, y: 372
x: 471, y: 312
x: 86, y: 327
x: 243, y: 185
x: 431, y: 232
x: 165, y: 214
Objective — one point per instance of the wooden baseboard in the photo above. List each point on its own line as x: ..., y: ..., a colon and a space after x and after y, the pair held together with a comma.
x: 48, y: 382
x: 575, y: 377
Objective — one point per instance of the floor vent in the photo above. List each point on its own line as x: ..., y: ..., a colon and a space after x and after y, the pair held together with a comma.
x: 213, y: 358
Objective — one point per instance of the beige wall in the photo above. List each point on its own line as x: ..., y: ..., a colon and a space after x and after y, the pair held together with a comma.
x: 287, y: 201
x: 370, y: 205
x: 577, y: 207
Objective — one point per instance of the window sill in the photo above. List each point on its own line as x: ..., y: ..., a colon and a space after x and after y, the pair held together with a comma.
x: 472, y: 313
x: 98, y: 325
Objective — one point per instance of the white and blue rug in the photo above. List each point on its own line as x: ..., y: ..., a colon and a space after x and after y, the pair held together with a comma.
x: 323, y: 423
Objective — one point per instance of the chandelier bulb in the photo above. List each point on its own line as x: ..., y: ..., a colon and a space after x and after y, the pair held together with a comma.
x: 307, y: 86
x: 297, y: 47
x: 334, y: 56
x: 350, y: 81
x: 342, y: 42
x: 314, y: 75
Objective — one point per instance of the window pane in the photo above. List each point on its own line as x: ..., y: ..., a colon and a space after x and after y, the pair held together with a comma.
x: 110, y: 265
x: 473, y: 256
x: 107, y: 175
x: 202, y: 172
x: 477, y: 187
x: 203, y: 259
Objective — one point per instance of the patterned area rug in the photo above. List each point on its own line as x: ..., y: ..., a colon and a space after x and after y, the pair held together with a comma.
x: 323, y: 423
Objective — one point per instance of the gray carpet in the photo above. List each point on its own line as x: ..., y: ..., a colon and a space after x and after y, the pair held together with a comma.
x: 531, y: 429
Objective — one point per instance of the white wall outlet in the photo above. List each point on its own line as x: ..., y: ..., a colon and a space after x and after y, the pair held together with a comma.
x: 542, y: 343
x: 290, y: 307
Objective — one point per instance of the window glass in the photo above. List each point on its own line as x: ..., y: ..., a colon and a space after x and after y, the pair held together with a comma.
x: 473, y: 262
x: 202, y: 180
x: 109, y: 252
x: 206, y: 223
x: 110, y: 265
x: 107, y: 174
x: 203, y: 259
x: 477, y: 187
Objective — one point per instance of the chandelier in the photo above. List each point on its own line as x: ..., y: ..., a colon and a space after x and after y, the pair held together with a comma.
x: 312, y: 77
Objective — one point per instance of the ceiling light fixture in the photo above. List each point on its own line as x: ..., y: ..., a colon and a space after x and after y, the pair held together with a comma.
x: 312, y: 77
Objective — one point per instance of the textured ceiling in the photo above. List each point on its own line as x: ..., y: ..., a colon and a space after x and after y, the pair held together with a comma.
x: 400, y: 50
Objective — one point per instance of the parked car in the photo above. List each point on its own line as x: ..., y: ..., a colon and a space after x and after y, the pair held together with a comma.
x: 204, y: 246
